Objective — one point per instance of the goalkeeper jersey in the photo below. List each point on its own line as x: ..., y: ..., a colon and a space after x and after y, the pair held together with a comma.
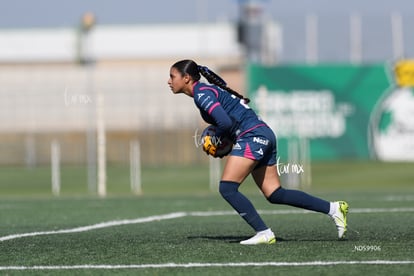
x: 229, y: 114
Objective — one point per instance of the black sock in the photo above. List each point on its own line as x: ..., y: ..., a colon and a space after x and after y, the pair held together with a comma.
x: 230, y: 192
x: 299, y: 199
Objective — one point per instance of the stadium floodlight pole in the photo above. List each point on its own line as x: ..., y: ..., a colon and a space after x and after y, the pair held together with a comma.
x: 311, y: 38
x: 397, y: 35
x: 355, y: 34
x: 91, y: 136
x: 96, y: 142
x: 101, y: 139
x: 250, y: 29
x: 312, y: 57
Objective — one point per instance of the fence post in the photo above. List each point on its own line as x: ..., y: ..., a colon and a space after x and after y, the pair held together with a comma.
x: 215, y: 172
x: 135, y: 167
x: 55, y: 167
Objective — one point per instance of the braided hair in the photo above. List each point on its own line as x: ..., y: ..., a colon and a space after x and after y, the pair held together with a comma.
x: 191, y: 68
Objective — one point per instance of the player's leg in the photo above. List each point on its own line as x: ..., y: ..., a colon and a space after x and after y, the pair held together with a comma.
x: 235, y: 171
x: 267, y: 180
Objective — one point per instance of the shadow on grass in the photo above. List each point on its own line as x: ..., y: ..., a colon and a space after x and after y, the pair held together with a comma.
x: 237, y: 239
x: 229, y: 239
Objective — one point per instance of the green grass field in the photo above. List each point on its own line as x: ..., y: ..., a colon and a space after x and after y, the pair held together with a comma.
x: 180, y: 227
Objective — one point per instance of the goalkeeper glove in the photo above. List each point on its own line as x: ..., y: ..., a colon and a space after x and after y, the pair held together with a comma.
x: 209, y: 147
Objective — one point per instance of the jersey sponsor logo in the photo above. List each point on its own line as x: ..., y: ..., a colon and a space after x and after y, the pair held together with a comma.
x: 261, y: 141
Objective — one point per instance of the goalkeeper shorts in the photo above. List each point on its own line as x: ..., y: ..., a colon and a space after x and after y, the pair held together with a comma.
x: 257, y: 144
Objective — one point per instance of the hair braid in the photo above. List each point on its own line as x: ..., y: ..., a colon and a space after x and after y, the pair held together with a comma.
x: 215, y: 79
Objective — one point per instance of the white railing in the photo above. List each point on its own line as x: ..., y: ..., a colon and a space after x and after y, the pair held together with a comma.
x: 43, y: 99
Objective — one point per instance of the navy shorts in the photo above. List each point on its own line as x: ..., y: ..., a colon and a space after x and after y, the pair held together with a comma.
x: 257, y: 144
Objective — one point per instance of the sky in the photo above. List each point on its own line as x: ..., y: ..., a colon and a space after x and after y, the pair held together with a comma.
x: 333, y: 20
x: 59, y: 13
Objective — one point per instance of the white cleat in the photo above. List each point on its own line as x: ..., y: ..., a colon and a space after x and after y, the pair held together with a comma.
x: 339, y: 217
x: 262, y: 237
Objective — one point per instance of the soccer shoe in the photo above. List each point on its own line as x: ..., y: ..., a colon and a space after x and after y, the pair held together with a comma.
x: 262, y: 237
x: 339, y: 217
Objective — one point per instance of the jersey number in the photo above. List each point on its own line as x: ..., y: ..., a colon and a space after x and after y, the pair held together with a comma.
x: 241, y: 102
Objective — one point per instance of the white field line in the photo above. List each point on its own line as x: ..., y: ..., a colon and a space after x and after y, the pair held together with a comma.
x: 399, y: 198
x: 96, y: 226
x: 180, y: 215
x: 191, y: 265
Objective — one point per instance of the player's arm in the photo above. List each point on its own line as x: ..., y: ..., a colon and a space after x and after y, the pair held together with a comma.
x: 223, y: 121
x: 213, y: 112
x: 207, y: 101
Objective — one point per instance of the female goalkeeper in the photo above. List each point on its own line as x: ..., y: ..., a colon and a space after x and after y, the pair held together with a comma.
x: 254, y: 150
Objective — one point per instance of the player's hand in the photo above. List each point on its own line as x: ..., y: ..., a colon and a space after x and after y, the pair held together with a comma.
x: 209, y: 147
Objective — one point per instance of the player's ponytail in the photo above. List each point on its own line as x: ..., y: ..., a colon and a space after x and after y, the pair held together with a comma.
x: 215, y: 79
x: 191, y: 68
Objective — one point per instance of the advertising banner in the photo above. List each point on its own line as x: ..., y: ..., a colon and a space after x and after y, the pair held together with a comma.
x: 333, y: 107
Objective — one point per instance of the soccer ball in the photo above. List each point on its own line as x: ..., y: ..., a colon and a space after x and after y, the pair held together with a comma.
x: 225, y: 143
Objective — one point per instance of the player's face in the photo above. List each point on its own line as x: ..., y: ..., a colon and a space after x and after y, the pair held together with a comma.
x: 177, y: 82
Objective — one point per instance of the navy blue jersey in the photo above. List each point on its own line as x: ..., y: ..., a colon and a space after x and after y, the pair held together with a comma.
x: 252, y: 138
x: 228, y: 113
